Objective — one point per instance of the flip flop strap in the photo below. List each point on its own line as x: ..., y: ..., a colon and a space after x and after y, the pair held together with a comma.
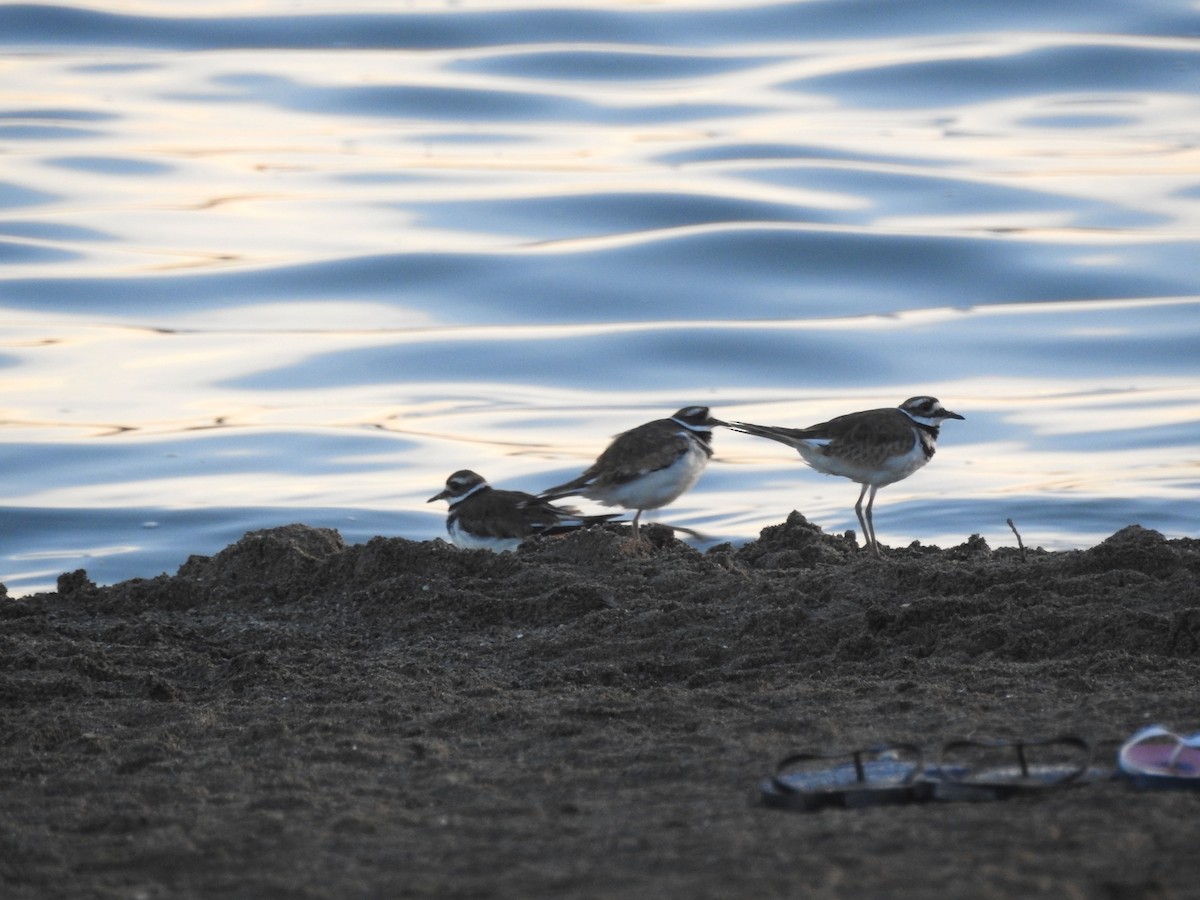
x: 1182, y: 742
x: 1018, y: 747
x: 860, y: 773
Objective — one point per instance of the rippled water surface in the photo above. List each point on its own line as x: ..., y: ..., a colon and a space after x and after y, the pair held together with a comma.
x: 267, y: 262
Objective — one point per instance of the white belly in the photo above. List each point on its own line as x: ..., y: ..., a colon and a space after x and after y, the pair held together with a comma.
x: 467, y: 541
x: 894, y: 469
x: 657, y: 488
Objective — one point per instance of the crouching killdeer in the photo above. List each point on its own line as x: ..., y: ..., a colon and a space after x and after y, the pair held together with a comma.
x: 648, y: 466
x: 873, y: 448
x: 482, y: 517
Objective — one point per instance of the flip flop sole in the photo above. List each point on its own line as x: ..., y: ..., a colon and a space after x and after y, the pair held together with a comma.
x: 869, y: 783
x: 1158, y: 759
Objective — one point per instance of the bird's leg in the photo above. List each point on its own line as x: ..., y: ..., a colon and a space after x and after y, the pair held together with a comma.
x: 862, y: 523
x: 637, y: 535
x: 871, y: 520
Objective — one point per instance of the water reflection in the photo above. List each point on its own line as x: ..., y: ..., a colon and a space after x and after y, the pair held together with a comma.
x: 972, y: 75
x: 311, y: 260
x: 104, y: 165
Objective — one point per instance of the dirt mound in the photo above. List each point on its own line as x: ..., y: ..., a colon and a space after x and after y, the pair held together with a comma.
x: 587, y: 717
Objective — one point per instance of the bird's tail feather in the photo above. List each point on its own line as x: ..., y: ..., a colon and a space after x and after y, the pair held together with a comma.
x: 569, y: 489
x: 580, y: 523
x: 789, y: 436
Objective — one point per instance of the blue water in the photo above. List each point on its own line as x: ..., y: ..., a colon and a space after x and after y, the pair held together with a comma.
x: 284, y: 261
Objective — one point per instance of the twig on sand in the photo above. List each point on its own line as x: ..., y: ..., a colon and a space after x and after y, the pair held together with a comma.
x: 1020, y: 543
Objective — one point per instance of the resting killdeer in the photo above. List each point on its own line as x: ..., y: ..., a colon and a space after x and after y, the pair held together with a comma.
x: 874, y: 448
x: 482, y: 517
x: 649, y: 466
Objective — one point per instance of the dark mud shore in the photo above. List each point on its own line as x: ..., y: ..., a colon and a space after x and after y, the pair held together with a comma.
x: 298, y: 718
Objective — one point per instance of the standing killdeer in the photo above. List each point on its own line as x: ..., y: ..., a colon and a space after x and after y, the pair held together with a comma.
x: 873, y: 448
x: 482, y: 517
x: 648, y: 466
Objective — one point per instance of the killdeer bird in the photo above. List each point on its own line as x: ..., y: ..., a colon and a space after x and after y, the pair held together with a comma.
x: 873, y: 448
x: 482, y: 517
x: 648, y: 466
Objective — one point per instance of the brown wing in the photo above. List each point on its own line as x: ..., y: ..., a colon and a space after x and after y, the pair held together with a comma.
x: 638, y: 451
x: 866, y: 437
x: 508, y: 514
x: 527, y: 512
x: 855, y: 437
x: 646, y: 448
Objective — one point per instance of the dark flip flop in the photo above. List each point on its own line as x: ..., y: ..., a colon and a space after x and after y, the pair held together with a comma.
x: 974, y: 770
x: 1159, y: 759
x: 882, y: 774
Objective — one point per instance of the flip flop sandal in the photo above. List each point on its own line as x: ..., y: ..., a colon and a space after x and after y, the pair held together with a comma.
x: 975, y: 770
x: 882, y: 774
x: 1155, y: 758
